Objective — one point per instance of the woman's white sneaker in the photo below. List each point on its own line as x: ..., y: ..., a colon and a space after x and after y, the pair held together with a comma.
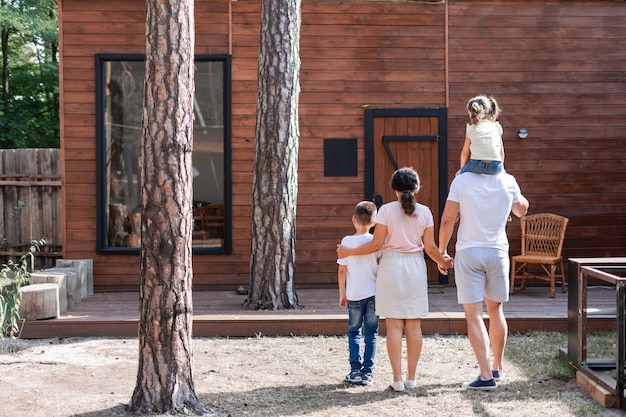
x: 397, y: 386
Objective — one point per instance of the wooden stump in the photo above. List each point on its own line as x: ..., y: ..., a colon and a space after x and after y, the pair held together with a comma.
x: 71, y: 286
x: 53, y: 278
x: 39, y: 301
x: 80, y: 271
x: 85, y: 271
x: 74, y: 284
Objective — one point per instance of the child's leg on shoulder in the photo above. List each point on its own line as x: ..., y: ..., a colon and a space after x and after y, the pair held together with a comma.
x: 477, y: 166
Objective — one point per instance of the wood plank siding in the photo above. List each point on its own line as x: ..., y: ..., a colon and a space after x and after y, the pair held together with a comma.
x: 556, y: 68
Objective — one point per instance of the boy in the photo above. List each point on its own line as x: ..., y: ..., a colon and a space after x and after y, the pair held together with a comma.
x: 357, y: 286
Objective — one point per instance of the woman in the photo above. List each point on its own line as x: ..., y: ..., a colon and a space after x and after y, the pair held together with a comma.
x: 404, y: 230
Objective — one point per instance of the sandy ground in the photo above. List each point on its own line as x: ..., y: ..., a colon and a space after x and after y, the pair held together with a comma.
x: 289, y: 376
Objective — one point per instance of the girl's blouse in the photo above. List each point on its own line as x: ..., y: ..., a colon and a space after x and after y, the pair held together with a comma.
x: 486, y: 140
x: 404, y: 233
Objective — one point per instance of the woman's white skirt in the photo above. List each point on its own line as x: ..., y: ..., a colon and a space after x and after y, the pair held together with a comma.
x: 402, y: 286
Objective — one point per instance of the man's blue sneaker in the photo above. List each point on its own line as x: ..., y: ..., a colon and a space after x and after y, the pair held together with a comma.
x: 497, y: 375
x: 367, y: 379
x: 479, y: 384
x: 354, y: 377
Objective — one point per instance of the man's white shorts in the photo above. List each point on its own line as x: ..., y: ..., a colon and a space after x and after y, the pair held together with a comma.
x: 481, y: 273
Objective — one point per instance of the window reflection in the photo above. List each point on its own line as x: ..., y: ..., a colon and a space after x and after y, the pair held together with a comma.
x: 122, y: 102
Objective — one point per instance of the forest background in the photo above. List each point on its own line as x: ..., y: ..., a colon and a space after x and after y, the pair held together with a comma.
x: 30, y: 74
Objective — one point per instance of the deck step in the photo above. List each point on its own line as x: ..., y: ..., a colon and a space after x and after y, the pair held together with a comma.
x: 220, y: 313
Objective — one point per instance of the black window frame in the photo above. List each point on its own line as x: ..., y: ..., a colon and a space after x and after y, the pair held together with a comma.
x: 101, y: 198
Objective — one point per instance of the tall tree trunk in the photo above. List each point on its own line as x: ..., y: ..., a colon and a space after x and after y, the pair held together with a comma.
x: 5, y: 69
x: 165, y: 374
x: 275, y: 185
x: 55, y: 99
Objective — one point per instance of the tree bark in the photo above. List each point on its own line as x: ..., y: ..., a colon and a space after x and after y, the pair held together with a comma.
x: 165, y: 373
x: 275, y: 184
x: 5, y: 69
x: 55, y: 101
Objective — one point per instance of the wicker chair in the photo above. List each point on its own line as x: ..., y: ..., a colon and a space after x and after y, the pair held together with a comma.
x: 542, y: 242
x: 212, y: 220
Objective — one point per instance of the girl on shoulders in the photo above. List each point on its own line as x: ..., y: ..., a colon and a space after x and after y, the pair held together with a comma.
x: 483, y: 151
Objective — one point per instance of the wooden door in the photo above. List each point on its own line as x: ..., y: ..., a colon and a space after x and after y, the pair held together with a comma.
x: 417, y: 138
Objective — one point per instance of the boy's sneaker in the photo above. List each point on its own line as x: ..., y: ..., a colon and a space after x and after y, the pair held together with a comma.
x: 367, y: 379
x: 497, y: 375
x: 479, y: 384
x: 354, y: 377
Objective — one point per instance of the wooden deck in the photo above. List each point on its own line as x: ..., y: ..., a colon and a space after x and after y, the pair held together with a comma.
x: 219, y: 313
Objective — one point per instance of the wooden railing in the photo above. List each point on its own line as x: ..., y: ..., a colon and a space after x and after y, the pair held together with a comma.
x: 30, y: 204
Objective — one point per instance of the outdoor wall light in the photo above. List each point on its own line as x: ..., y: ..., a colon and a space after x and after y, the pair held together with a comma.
x: 522, y: 133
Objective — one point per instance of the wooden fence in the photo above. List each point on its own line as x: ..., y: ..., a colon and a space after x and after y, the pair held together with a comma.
x: 30, y: 204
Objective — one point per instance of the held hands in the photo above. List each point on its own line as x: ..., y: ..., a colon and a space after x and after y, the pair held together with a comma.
x: 449, y: 264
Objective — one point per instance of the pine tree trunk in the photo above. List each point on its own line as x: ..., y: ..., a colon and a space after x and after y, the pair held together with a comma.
x: 5, y: 69
x: 164, y: 378
x: 275, y: 184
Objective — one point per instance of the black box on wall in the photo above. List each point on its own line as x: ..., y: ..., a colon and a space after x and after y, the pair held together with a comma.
x: 340, y: 157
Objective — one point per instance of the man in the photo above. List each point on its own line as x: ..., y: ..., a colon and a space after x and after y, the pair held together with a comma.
x: 483, y: 204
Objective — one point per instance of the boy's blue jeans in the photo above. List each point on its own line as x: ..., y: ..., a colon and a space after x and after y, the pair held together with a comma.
x: 362, y: 314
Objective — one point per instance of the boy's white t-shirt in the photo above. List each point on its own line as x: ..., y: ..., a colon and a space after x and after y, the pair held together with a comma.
x: 361, y: 269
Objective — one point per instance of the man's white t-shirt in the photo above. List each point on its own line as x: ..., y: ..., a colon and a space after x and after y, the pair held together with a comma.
x: 361, y: 269
x: 485, y: 202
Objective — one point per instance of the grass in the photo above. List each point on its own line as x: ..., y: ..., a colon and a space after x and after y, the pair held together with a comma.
x: 537, y: 355
x: 602, y: 345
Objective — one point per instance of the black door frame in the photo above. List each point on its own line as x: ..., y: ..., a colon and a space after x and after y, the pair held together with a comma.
x: 442, y: 140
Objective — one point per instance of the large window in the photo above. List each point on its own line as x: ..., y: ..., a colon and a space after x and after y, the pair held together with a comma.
x: 119, y: 106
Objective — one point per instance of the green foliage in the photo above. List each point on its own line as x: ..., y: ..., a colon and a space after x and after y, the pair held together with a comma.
x: 33, y: 119
x: 13, y: 276
x: 30, y: 115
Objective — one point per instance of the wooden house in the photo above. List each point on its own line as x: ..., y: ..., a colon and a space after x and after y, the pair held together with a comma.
x: 383, y: 83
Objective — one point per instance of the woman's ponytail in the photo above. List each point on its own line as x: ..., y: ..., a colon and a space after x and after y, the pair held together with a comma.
x: 406, y: 181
